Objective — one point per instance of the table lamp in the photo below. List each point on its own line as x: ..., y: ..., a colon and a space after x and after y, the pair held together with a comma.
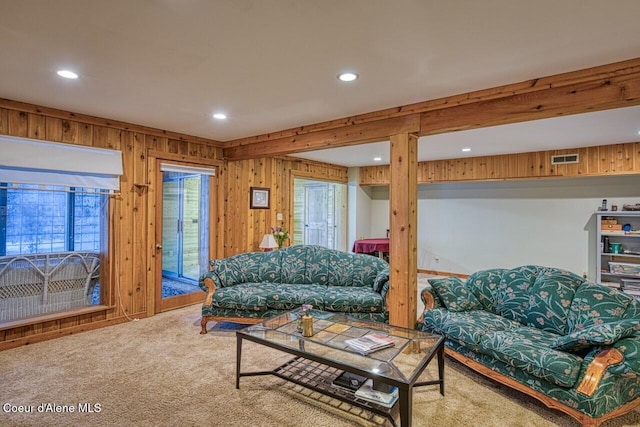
x: 268, y: 243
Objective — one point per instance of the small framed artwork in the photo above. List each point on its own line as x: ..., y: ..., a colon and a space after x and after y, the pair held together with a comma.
x: 259, y: 198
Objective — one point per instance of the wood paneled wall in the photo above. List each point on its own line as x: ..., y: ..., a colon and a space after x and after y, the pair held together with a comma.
x: 127, y: 263
x: 617, y: 159
x: 244, y: 227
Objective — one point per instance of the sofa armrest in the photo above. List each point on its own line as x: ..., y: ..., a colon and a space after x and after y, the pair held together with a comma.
x: 429, y: 298
x: 384, y: 291
x: 596, y: 368
x: 211, y: 275
x: 382, y: 279
x: 630, y: 349
x: 209, y: 282
x: 622, y: 358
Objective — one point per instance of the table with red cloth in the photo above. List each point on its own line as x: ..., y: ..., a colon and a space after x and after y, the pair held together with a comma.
x: 370, y: 246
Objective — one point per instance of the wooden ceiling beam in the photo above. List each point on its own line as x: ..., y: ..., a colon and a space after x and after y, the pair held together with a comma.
x: 374, y: 131
x: 598, y: 88
x: 595, y: 95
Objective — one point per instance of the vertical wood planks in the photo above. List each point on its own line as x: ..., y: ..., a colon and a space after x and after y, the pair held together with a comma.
x: 403, y: 221
x: 593, y: 161
x: 244, y: 227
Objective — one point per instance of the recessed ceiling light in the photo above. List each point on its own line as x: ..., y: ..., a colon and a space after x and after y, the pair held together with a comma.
x: 67, y: 74
x: 347, y: 77
x: 466, y: 150
x: 377, y: 159
x: 219, y: 116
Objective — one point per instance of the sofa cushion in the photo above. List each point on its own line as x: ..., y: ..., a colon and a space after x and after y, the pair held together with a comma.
x: 293, y: 264
x: 529, y: 349
x: 240, y: 268
x: 316, y: 265
x: 484, y: 285
x: 513, y: 292
x: 352, y: 299
x: 289, y: 296
x: 244, y: 296
x: 465, y: 327
x: 340, y: 269
x: 595, y: 304
x: 633, y: 310
x: 366, y: 269
x: 360, y: 270
x: 550, y: 299
x: 454, y: 295
x: 271, y: 267
x: 601, y: 334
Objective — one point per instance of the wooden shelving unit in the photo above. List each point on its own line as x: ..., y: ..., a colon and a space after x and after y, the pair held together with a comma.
x: 619, y: 270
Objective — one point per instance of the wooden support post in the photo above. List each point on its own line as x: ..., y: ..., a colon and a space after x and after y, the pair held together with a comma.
x: 403, y: 220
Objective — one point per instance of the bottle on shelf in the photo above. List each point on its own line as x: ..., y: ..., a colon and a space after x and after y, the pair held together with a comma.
x: 605, y: 249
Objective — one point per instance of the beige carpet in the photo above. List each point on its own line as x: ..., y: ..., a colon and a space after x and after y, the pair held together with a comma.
x: 161, y: 372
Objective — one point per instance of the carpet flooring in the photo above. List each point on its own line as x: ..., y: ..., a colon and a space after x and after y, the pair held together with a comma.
x: 160, y: 371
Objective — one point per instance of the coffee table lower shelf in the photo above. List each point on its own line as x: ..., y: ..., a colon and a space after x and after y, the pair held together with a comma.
x: 318, y: 377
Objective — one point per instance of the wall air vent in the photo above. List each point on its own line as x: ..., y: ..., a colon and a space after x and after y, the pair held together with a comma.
x: 564, y: 159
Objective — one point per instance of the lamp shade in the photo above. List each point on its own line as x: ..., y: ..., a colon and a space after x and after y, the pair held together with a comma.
x: 268, y: 242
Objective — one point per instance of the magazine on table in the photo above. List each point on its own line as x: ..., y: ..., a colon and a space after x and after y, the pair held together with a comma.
x: 369, y: 343
x: 386, y: 399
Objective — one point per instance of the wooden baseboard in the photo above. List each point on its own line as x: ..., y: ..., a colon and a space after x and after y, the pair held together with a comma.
x: 443, y: 273
x: 583, y: 419
x: 31, y: 339
x: 58, y: 315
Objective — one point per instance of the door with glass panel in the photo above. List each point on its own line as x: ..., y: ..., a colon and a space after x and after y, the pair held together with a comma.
x: 320, y: 213
x: 183, y: 230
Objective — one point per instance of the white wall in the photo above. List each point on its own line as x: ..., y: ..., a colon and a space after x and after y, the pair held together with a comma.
x: 359, y: 201
x: 473, y: 226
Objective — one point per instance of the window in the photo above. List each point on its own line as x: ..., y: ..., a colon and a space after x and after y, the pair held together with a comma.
x: 49, y: 234
x: 43, y: 219
x: 53, y: 224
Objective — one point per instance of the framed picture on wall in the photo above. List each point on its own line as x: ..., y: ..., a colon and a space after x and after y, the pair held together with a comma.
x: 259, y: 198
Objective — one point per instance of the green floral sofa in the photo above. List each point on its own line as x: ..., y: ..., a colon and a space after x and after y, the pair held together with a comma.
x: 570, y: 343
x: 258, y: 285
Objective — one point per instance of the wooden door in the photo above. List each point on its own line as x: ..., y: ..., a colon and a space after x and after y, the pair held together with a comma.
x: 183, y: 228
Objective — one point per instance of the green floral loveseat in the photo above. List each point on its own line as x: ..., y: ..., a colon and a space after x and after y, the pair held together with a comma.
x: 570, y: 343
x: 258, y: 285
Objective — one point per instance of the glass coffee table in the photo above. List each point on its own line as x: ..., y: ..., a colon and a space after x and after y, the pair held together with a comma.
x: 321, y: 358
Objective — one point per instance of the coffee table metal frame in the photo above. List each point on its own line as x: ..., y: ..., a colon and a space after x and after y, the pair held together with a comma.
x: 315, y: 372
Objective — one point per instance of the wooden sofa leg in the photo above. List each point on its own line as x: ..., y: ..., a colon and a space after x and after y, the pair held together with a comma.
x: 203, y: 324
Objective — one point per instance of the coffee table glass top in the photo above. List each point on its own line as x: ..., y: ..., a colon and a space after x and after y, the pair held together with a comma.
x: 403, y: 362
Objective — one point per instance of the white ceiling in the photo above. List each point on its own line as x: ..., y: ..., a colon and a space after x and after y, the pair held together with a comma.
x: 272, y: 64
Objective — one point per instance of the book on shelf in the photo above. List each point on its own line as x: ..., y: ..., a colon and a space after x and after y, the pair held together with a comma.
x: 349, y: 381
x: 383, y: 398
x: 369, y: 343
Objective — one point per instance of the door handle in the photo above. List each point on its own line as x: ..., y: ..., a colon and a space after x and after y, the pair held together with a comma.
x: 158, y: 247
